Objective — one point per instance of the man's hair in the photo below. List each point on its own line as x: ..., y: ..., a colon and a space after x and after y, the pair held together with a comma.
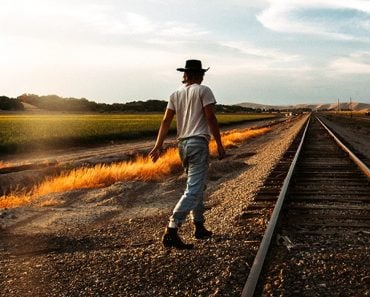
x: 194, y: 75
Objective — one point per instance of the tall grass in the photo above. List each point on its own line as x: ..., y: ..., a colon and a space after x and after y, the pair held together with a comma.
x: 142, y: 168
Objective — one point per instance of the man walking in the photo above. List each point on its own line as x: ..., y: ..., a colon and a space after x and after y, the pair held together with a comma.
x: 193, y: 105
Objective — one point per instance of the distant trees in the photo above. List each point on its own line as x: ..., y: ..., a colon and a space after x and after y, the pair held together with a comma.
x: 7, y: 103
x: 56, y: 103
x: 144, y: 106
x: 60, y: 104
x: 232, y: 108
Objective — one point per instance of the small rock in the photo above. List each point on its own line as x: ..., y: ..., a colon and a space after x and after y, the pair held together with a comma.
x: 366, y: 279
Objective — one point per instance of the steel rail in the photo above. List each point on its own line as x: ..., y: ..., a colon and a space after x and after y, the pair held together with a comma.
x: 355, y: 159
x: 250, y: 285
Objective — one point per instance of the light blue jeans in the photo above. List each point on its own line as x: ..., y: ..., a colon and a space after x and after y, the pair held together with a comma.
x: 194, y: 154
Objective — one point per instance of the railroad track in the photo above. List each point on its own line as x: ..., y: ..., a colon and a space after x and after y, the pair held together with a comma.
x: 317, y: 242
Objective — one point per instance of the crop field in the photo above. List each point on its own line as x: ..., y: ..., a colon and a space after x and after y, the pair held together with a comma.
x: 19, y: 133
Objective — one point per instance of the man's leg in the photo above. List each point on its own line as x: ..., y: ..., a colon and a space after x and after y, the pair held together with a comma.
x: 195, y: 156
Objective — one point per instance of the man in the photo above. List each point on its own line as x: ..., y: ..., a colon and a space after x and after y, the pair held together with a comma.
x: 193, y: 105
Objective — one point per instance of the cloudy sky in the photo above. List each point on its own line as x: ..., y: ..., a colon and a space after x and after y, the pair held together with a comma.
x: 268, y: 51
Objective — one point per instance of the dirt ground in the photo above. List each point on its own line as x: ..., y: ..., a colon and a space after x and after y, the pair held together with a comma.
x: 105, y: 242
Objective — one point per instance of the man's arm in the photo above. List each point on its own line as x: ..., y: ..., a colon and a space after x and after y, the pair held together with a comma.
x: 162, y: 133
x: 209, y: 112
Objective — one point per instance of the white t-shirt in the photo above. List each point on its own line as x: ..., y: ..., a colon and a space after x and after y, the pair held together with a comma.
x: 188, y: 103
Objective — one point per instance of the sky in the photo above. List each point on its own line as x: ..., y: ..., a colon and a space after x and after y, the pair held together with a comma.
x: 115, y: 51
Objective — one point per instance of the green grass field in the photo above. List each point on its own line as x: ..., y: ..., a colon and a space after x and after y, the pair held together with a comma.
x: 20, y: 133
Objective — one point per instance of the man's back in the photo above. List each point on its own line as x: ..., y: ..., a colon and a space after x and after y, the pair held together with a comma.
x: 188, y: 103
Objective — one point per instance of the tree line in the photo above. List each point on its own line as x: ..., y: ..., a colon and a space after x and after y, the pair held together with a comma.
x: 10, y: 103
x: 60, y: 104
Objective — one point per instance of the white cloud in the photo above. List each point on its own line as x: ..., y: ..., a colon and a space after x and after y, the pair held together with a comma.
x: 265, y: 53
x: 139, y: 24
x: 245, y: 58
x: 283, y: 16
x: 173, y: 29
x: 88, y: 20
x: 356, y: 63
x: 128, y: 23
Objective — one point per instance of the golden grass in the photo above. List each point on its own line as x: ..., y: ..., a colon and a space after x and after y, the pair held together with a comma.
x: 142, y: 168
x: 4, y: 165
x: 14, y: 199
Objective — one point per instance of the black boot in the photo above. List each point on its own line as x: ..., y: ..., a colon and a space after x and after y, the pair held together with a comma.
x: 172, y: 239
x: 201, y: 232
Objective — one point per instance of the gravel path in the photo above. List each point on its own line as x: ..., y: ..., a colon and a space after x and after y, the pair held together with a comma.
x: 105, y: 242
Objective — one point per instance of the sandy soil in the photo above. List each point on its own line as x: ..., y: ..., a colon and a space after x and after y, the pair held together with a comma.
x: 105, y: 242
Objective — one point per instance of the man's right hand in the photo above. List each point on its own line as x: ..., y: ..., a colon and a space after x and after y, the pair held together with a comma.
x: 155, y: 153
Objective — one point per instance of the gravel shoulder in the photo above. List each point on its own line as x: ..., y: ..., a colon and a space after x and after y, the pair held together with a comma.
x: 105, y: 242
x: 355, y: 132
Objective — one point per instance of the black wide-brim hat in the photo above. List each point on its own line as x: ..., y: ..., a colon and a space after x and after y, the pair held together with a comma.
x: 193, y: 65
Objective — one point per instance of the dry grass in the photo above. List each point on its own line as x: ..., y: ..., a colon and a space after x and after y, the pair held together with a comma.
x: 14, y: 199
x: 142, y: 168
x: 4, y: 165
